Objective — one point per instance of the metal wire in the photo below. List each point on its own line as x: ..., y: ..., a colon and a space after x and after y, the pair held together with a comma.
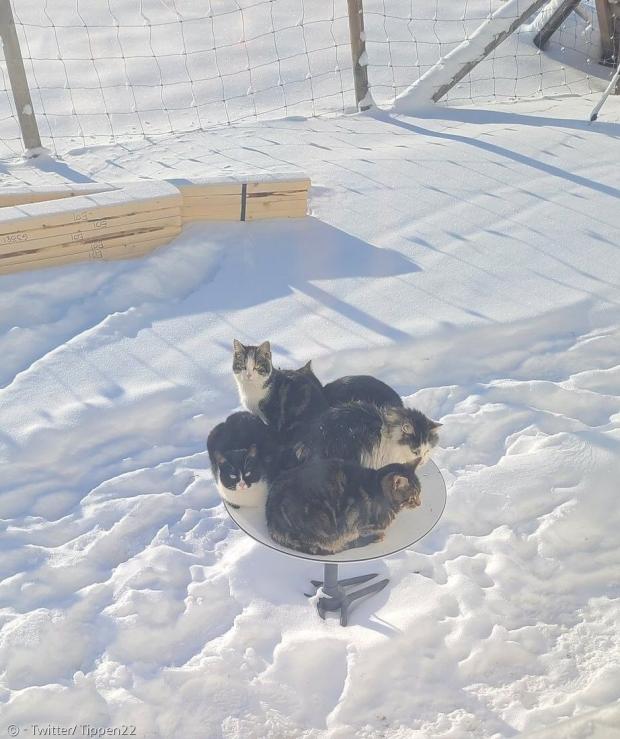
x: 107, y: 70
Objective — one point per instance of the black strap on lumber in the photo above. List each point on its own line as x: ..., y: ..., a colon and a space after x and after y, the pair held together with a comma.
x: 244, y: 195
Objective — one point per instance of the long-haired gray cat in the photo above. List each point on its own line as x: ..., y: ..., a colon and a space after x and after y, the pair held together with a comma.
x: 284, y: 399
x: 370, y: 435
x: 328, y: 505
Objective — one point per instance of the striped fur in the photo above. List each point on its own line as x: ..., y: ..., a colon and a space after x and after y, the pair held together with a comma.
x: 327, y: 506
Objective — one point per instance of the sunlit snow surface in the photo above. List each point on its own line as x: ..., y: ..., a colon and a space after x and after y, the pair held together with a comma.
x: 471, y: 260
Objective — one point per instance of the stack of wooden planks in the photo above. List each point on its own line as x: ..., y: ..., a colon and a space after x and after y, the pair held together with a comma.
x: 50, y: 226
x: 118, y: 224
x: 245, y: 198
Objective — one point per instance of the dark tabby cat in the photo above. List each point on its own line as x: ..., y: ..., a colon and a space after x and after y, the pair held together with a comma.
x: 326, y: 506
x: 361, y: 387
x: 243, y: 458
x: 369, y: 435
x: 284, y: 399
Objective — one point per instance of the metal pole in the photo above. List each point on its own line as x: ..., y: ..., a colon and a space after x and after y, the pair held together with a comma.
x: 17, y: 77
x: 610, y: 88
x: 358, y: 54
x: 330, y: 578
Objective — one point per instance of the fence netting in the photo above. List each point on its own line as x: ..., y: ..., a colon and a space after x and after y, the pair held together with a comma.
x: 107, y: 70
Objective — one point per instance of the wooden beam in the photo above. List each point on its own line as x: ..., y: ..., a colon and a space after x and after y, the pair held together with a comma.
x: 64, y: 244
x: 87, y: 230
x: 17, y: 78
x: 36, y: 193
x: 135, y: 198
x: 609, y: 33
x: 555, y: 20
x: 259, y: 210
x: 161, y: 236
x: 106, y: 254
x: 359, y: 57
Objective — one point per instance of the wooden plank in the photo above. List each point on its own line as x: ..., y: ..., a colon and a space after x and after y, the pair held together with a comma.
x: 78, y: 247
x: 205, y: 214
x: 293, y: 185
x: 136, y: 198
x: 75, y: 247
x: 555, y: 20
x: 268, y: 197
x: 87, y: 230
x: 213, y: 202
x: 204, y: 190
x: 257, y: 211
x: 128, y: 251
x: 266, y: 203
x: 37, y: 193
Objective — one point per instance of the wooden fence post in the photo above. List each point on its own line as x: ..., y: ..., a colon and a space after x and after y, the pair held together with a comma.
x: 607, y: 20
x: 358, y: 54
x: 17, y: 77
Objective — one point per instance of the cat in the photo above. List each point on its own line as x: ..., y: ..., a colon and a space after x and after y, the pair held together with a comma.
x: 326, y: 506
x: 284, y: 399
x: 307, y: 370
x: 369, y: 435
x: 361, y: 387
x: 244, y: 456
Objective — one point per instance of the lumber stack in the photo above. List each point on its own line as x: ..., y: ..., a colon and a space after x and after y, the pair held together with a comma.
x: 118, y: 224
x: 245, y: 198
x: 50, y: 226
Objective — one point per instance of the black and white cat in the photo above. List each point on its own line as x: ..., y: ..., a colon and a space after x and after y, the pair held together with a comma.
x: 243, y: 458
x: 327, y: 506
x: 284, y: 399
x: 361, y: 387
x: 370, y: 435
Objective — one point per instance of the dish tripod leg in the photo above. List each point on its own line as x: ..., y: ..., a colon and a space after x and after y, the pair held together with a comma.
x: 334, y: 597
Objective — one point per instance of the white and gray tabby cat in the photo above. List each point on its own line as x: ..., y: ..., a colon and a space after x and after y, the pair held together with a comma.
x: 370, y: 435
x: 285, y: 399
x: 327, y: 505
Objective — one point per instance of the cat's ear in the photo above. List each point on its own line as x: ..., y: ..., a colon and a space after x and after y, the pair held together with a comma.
x: 435, y: 424
x: 219, y: 457
x: 407, y: 428
x: 238, y: 347
x: 265, y: 349
x: 252, y: 451
x: 399, y: 482
x: 307, y: 368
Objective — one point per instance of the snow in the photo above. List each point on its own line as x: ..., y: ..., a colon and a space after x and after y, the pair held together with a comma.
x: 470, y: 52
x: 469, y: 258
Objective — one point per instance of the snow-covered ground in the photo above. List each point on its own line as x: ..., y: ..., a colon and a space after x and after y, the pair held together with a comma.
x: 471, y: 260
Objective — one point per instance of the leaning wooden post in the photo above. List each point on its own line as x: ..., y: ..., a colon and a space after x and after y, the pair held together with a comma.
x: 358, y: 53
x: 17, y: 77
x: 559, y: 15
